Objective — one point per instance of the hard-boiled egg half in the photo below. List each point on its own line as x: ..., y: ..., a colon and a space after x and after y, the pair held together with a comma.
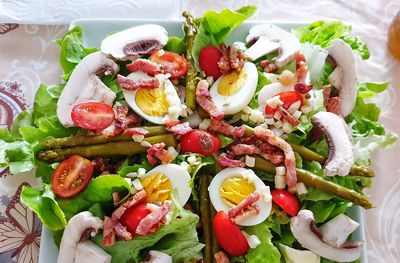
x: 163, y: 179
x: 155, y: 105
x: 269, y: 91
x: 234, y: 91
x: 232, y: 185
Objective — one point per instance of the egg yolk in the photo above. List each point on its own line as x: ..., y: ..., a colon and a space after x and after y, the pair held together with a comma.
x: 231, y: 83
x: 158, y: 187
x: 152, y: 101
x: 233, y: 190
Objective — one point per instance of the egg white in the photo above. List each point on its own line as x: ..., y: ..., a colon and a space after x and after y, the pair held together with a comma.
x: 179, y: 178
x: 165, y: 83
x: 219, y: 204
x: 234, y: 103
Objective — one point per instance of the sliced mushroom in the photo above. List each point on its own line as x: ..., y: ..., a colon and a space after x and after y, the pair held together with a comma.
x: 307, y: 234
x: 337, y: 230
x: 135, y: 41
x: 88, y: 252
x: 344, y: 77
x: 261, y: 47
x: 84, y: 85
x: 78, y: 226
x: 341, y: 153
x: 288, y: 43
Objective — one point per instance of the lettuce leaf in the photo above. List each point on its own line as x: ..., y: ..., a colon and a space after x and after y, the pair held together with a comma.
x: 214, y: 28
x: 43, y: 203
x: 262, y: 81
x: 45, y: 104
x: 175, y: 44
x: 266, y: 251
x: 177, y: 239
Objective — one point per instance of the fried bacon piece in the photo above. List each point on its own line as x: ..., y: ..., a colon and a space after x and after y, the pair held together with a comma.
x: 203, y: 98
x: 121, y: 231
x: 242, y: 149
x: 301, y: 68
x: 146, y: 66
x: 108, y: 232
x: 226, y: 129
x: 157, y: 152
x: 136, y: 131
x: 146, y: 225
x: 225, y: 161
x: 287, y: 116
x: 221, y: 257
x: 246, y: 205
x: 132, y: 201
x: 332, y: 104
x: 132, y: 85
x: 232, y: 59
x: 180, y: 128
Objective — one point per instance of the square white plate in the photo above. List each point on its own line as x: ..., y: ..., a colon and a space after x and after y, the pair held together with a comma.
x: 95, y: 30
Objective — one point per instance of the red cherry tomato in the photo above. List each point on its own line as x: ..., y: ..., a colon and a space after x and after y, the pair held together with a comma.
x: 92, y: 115
x: 133, y: 215
x: 288, y: 98
x: 286, y: 200
x: 208, y: 60
x: 172, y: 63
x: 199, y: 141
x: 71, y: 176
x: 229, y: 235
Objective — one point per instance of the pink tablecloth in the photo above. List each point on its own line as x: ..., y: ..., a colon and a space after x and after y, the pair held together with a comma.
x: 28, y: 57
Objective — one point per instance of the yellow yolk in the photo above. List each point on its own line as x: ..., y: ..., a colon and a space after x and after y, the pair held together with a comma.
x: 158, y: 187
x: 231, y: 83
x: 152, y: 101
x: 233, y: 190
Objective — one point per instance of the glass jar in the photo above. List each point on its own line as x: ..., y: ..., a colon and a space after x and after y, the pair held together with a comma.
x: 394, y: 37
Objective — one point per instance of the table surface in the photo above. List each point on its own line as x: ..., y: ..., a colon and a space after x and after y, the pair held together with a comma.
x: 29, y: 57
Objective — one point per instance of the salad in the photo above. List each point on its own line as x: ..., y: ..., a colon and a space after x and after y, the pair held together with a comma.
x: 156, y: 148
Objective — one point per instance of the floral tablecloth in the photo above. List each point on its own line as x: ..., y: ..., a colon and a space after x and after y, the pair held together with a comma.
x: 29, y: 57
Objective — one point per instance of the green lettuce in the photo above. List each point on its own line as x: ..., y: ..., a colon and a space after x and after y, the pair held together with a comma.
x: 177, y: 239
x: 214, y: 28
x: 262, y: 81
x: 175, y: 44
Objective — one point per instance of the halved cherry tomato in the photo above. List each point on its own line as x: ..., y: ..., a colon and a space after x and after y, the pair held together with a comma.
x: 92, y: 115
x: 133, y: 215
x: 71, y: 176
x: 229, y: 235
x: 172, y: 63
x: 208, y: 61
x: 286, y: 200
x: 199, y: 141
x: 288, y: 98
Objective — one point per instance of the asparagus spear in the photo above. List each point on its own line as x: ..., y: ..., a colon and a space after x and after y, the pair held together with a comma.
x: 81, y: 140
x: 205, y: 218
x: 320, y: 183
x: 190, y: 29
x: 310, y: 155
x: 106, y: 149
x: 215, y: 248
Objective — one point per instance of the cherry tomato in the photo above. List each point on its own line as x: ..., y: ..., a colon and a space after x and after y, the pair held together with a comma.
x: 172, y: 63
x: 229, y: 235
x: 133, y: 215
x: 199, y: 141
x: 71, y: 176
x: 288, y: 98
x: 286, y: 200
x: 92, y: 115
x: 208, y: 60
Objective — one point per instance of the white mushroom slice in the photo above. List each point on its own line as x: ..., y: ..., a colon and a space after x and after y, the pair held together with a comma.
x: 341, y: 153
x: 344, y: 77
x: 88, y: 252
x: 159, y: 257
x: 262, y: 47
x: 84, y: 85
x: 307, y: 234
x: 337, y: 230
x: 289, y: 44
x: 76, y: 227
x: 135, y: 41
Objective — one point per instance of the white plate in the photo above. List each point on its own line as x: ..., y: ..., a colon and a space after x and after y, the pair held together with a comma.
x: 95, y: 30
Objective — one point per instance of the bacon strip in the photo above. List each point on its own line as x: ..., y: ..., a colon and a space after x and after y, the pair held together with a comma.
x: 203, y: 98
x: 301, y: 68
x: 136, y: 131
x: 180, y: 128
x: 287, y: 116
x: 132, y: 201
x: 332, y: 104
x: 232, y: 59
x: 121, y: 121
x: 157, y: 152
x: 108, y: 233
x: 146, y: 225
x: 244, y: 205
x: 226, y: 129
x: 146, y: 66
x: 225, y: 161
x: 221, y: 257
x: 121, y: 231
x: 267, y: 135
x: 243, y: 149
x: 132, y: 85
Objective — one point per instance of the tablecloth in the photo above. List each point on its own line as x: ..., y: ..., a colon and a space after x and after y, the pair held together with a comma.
x: 29, y: 57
